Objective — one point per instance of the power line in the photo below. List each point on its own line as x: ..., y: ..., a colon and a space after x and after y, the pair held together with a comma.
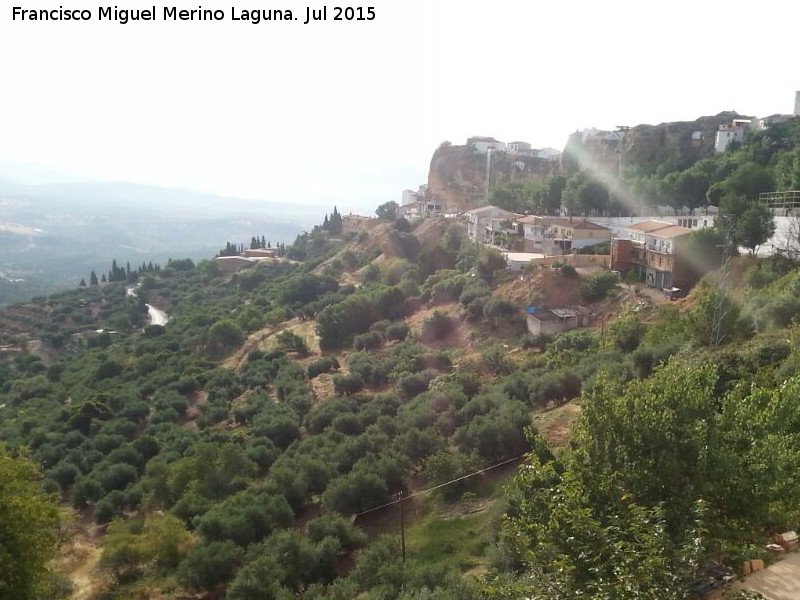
x: 441, y: 485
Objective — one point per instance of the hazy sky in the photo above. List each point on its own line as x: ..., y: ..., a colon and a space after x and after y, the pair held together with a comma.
x: 350, y: 113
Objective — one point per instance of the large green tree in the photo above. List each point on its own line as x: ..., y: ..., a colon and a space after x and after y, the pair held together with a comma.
x: 661, y: 473
x: 755, y: 226
x: 28, y: 529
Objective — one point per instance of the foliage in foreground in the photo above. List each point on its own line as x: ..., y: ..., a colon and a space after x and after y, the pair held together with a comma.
x: 29, y: 521
x: 662, y: 473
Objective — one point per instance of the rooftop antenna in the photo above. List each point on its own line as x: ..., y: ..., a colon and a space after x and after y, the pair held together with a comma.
x: 720, y: 310
x: 488, y: 173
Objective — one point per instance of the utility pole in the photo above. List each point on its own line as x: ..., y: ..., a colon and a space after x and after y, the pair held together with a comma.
x: 402, y: 526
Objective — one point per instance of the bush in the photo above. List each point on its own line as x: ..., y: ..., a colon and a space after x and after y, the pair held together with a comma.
x: 529, y: 341
x: 347, y: 385
x: 336, y: 527
x: 598, y: 285
x: 397, y: 331
x: 325, y: 364
x: 223, y: 337
x: 554, y: 387
x: 207, y: 565
x: 447, y: 465
x: 579, y: 339
x: 368, y: 341
x: 627, y: 333
x: 496, y: 309
x: 414, y: 384
x: 291, y: 342
x: 477, y: 288
x: 438, y: 326
x: 565, y: 269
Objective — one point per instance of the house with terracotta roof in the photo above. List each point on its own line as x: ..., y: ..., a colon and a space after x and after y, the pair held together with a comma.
x: 480, y: 218
x: 534, y: 234
x: 571, y: 234
x: 655, y: 252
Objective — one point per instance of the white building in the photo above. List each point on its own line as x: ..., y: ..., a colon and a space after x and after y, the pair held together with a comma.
x: 797, y: 104
x: 534, y: 233
x: 421, y: 209
x: 573, y: 234
x: 479, y: 218
x: 408, y: 197
x: 518, y: 148
x: 482, y: 145
x: 517, y: 261
x: 731, y: 132
x: 550, y: 321
x: 549, y: 154
x: 765, y: 122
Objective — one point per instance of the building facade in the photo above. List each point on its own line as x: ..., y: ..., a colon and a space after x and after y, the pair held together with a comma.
x: 731, y: 132
x: 573, y: 234
x: 358, y: 223
x: 482, y: 145
x: 479, y: 218
x: 550, y: 321
x: 654, y: 251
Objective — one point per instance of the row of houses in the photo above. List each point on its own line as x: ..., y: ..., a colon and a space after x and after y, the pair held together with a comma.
x: 654, y: 250
x: 531, y: 233
x: 483, y: 144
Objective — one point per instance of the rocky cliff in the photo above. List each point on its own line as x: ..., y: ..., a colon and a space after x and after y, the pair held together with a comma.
x: 647, y: 149
x: 457, y: 175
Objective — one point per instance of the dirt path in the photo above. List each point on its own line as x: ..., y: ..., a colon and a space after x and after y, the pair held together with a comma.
x: 781, y: 581
x: 84, y: 577
x: 78, y: 559
x: 239, y: 358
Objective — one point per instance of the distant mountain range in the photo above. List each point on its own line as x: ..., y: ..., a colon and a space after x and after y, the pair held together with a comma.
x: 54, y: 233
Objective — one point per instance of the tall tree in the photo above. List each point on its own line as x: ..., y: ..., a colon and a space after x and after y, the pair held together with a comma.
x: 387, y: 211
x: 93, y: 279
x: 335, y: 223
x: 28, y: 529
x: 755, y: 226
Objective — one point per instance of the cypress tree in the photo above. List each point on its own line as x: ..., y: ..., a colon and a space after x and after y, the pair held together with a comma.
x: 335, y: 224
x: 93, y: 279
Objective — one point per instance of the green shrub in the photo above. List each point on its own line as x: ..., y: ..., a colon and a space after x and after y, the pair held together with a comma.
x: 598, y: 285
x: 397, y: 331
x: 368, y: 341
x: 348, y: 384
x: 207, y: 565
x: 438, y: 326
x: 325, y: 364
